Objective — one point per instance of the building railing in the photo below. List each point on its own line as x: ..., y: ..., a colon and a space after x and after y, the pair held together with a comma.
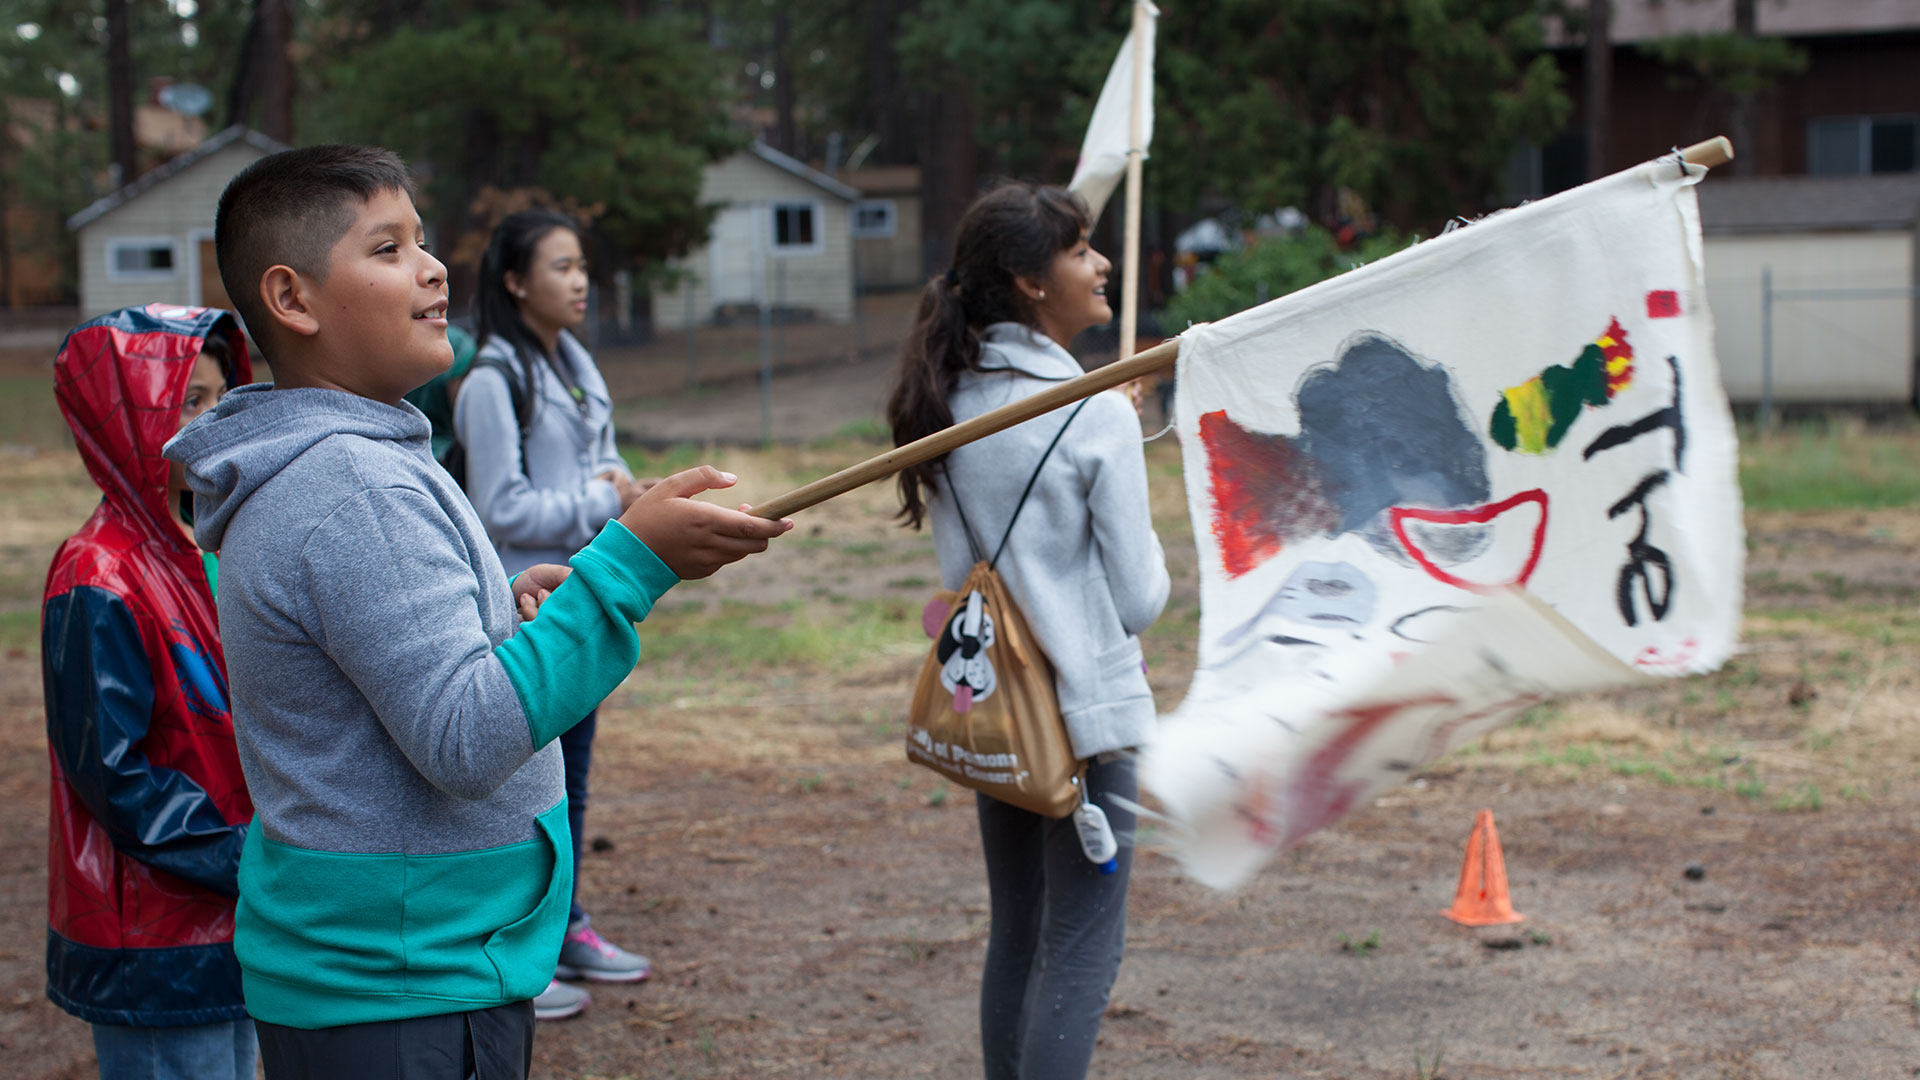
x: 1769, y: 295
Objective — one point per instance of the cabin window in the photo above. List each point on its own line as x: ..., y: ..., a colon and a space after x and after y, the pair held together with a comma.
x: 141, y: 258
x: 1863, y: 145
x: 875, y: 217
x: 796, y: 227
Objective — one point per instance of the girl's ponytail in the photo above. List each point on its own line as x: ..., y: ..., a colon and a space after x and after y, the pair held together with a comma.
x: 1013, y: 231
x: 940, y: 345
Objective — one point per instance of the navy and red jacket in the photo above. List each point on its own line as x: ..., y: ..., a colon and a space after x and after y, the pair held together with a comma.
x: 149, y: 807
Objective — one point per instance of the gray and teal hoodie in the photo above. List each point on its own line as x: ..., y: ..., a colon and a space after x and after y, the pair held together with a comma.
x: 395, y: 720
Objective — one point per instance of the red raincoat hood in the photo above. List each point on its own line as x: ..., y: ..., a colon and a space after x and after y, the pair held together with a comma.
x: 120, y: 380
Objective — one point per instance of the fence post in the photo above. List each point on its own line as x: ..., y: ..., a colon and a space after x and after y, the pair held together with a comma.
x: 1766, y: 347
x: 859, y: 328
x: 766, y: 333
x: 779, y: 306
x: 693, y: 354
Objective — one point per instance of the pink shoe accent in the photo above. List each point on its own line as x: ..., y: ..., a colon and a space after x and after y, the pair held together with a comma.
x: 591, y: 938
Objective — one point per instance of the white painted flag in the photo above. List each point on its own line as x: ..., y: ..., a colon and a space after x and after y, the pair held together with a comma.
x: 1439, y: 489
x: 1103, y: 155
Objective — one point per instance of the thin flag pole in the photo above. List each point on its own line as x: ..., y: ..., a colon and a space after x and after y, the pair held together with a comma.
x: 1119, y: 372
x: 1130, y: 270
x: 1713, y: 152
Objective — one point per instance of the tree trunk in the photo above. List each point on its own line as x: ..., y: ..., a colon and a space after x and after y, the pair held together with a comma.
x: 264, y: 78
x: 478, y: 170
x: 6, y: 205
x: 949, y: 158
x: 1742, y: 126
x: 276, y: 73
x: 890, y: 116
x: 1599, y: 90
x: 785, y: 136
x: 120, y: 93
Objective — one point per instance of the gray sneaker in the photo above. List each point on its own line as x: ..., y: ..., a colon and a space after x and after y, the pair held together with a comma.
x: 584, y: 954
x: 559, y: 1001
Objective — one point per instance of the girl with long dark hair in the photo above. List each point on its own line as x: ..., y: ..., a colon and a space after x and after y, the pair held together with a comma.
x: 1086, y: 569
x: 535, y: 421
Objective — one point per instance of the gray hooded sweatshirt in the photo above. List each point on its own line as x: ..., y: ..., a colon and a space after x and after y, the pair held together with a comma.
x: 394, y: 719
x: 539, y: 494
x: 1083, y: 561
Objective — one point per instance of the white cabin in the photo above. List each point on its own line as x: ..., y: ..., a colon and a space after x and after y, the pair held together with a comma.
x: 782, y: 237
x: 152, y: 240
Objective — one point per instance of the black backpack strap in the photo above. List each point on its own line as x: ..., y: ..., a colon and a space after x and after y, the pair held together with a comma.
x: 513, y: 397
x: 965, y: 525
x: 1031, y: 480
x: 509, y: 374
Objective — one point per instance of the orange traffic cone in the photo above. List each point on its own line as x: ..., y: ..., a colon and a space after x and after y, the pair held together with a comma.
x: 1482, y: 897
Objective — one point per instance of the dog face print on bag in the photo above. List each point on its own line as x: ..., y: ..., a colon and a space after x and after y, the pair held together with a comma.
x: 965, y: 668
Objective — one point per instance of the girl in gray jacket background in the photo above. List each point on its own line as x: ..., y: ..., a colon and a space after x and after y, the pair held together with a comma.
x: 536, y: 424
x: 1084, y: 566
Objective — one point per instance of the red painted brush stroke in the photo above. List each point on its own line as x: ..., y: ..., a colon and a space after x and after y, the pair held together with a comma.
x: 1264, y: 492
x: 1315, y: 798
x: 1652, y: 658
x: 1437, y: 738
x: 1663, y: 304
x: 1619, y: 350
x: 1398, y: 515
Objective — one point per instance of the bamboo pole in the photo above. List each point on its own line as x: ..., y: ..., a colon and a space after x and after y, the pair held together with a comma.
x: 1712, y: 152
x: 1130, y: 269
x: 885, y: 465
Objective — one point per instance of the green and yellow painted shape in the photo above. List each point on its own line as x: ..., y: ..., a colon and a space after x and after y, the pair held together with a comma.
x: 1533, y: 417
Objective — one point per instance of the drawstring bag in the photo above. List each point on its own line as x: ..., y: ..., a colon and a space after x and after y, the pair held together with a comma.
x: 985, y: 714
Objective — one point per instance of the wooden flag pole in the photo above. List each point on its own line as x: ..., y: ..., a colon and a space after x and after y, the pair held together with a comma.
x: 1713, y: 152
x: 1130, y: 269
x: 901, y: 457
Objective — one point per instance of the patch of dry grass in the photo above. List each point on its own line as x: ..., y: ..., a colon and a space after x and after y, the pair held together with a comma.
x: 1816, y: 707
x: 1831, y: 464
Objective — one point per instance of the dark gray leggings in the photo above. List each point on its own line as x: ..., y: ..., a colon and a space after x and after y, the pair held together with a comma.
x: 1058, y: 927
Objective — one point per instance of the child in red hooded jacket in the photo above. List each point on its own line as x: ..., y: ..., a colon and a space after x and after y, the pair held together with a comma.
x: 149, y: 806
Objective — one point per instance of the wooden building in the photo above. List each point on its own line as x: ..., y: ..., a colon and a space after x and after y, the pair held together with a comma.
x: 782, y: 237
x: 151, y: 241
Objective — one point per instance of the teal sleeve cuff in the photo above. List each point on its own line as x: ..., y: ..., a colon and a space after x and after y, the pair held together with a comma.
x: 566, y: 661
x: 620, y: 565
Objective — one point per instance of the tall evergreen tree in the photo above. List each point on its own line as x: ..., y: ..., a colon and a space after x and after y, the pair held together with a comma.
x: 58, y: 104
x: 263, y: 84
x: 1414, y: 105
x: 594, y: 104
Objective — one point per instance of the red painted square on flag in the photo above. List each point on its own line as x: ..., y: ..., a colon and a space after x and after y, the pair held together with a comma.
x: 1663, y: 304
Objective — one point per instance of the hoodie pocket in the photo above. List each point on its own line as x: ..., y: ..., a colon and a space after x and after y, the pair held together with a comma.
x: 524, y: 951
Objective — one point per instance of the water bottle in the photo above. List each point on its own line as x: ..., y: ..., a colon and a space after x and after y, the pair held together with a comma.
x: 1096, y: 836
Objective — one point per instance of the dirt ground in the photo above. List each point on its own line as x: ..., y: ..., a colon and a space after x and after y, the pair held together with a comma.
x: 815, y: 906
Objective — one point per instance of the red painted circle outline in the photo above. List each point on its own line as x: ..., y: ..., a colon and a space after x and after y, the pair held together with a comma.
x: 1480, y: 515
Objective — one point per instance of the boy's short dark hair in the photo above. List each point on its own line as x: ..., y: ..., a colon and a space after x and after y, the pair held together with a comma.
x: 290, y: 208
